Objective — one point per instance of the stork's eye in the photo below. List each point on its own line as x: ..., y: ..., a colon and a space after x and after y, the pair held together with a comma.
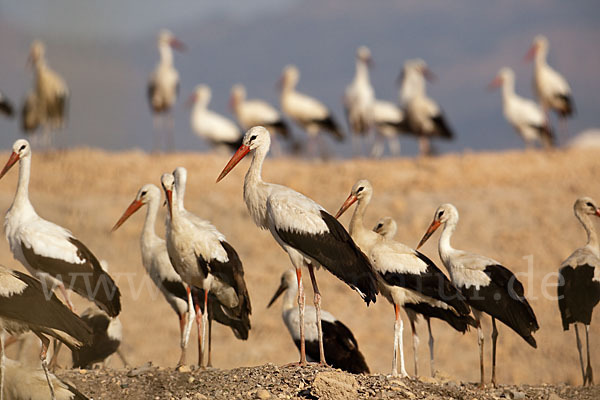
x: 589, y: 204
x: 252, y: 138
x: 440, y: 214
x: 379, y: 226
x: 360, y: 189
x: 144, y: 193
x: 22, y: 147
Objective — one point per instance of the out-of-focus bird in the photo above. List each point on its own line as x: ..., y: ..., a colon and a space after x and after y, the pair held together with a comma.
x: 488, y: 286
x: 209, y: 125
x: 359, y: 97
x: 6, y: 106
x: 309, y: 113
x: 579, y: 282
x: 389, y: 122
x: 524, y: 115
x: 423, y: 115
x: 552, y: 89
x: 341, y: 348
x: 47, y: 104
x: 253, y: 112
x: 163, y: 86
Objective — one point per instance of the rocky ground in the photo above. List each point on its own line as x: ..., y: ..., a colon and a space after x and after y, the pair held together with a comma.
x: 272, y: 382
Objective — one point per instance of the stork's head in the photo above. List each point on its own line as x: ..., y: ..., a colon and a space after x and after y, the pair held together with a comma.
x: 37, y: 51
x: 168, y: 183
x: 586, y: 206
x: 364, y: 54
x: 539, y: 45
x: 505, y: 75
x: 386, y: 227
x: 288, y: 280
x: 444, y: 213
x: 256, y: 137
x: 202, y: 95
x: 289, y: 77
x: 20, y: 150
x: 143, y: 196
x: 362, y: 190
x: 237, y: 95
x: 166, y: 38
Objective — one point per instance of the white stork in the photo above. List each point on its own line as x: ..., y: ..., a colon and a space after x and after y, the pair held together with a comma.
x: 50, y: 97
x: 23, y: 382
x: 210, y: 125
x: 309, y: 113
x: 408, y: 278
x: 488, y: 286
x: 203, y: 258
x: 424, y: 116
x: 523, y: 114
x: 50, y: 252
x: 389, y: 122
x: 253, y: 112
x: 386, y: 227
x: 27, y: 305
x: 163, y: 84
x: 552, y: 89
x: 579, y: 282
x: 341, y: 348
x: 304, y: 229
x: 107, y: 337
x: 6, y: 106
x: 359, y: 96
x: 155, y: 260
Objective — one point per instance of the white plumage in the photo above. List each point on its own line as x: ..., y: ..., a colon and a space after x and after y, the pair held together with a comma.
x: 253, y: 112
x: 163, y: 85
x: 388, y: 120
x: 360, y: 95
x: 524, y: 115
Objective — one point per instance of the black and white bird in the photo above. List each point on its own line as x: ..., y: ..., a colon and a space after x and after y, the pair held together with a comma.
x: 389, y: 122
x: 552, y: 89
x: 163, y: 84
x: 25, y: 383
x: 304, y: 229
x: 579, y: 282
x: 309, y: 113
x: 49, y: 98
x: 407, y: 278
x: 523, y: 114
x: 27, y: 305
x: 6, y: 106
x: 488, y: 286
x: 107, y: 337
x: 203, y: 258
x: 341, y: 348
x: 423, y: 115
x: 50, y: 252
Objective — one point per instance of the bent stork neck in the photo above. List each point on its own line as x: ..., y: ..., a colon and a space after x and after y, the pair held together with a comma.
x: 166, y: 54
x: 21, y: 200
x: 592, y: 236
x: 445, y: 249
x: 365, y: 238
x: 148, y: 232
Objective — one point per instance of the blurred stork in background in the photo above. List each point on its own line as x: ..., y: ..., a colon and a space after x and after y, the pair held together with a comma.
x: 389, y: 122
x: 46, y: 105
x: 358, y: 99
x: 551, y: 88
x: 423, y: 115
x: 523, y: 114
x: 163, y: 88
x: 6, y: 106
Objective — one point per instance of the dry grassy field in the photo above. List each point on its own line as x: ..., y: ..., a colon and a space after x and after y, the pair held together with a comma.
x: 515, y: 207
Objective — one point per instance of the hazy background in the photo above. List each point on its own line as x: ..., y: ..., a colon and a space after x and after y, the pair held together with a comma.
x: 106, y: 51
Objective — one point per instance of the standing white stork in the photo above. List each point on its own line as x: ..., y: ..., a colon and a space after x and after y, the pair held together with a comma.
x: 579, y: 282
x: 488, y: 286
x: 309, y: 113
x: 341, y: 348
x: 359, y: 97
x: 6, y: 106
x: 389, y: 122
x: 50, y: 252
x: 163, y: 86
x: 408, y: 278
x: 27, y: 305
x: 210, y: 125
x: 253, y: 112
x: 304, y: 229
x: 203, y: 258
x: 424, y: 116
x: 523, y: 114
x: 155, y: 260
x: 50, y: 96
x: 552, y: 89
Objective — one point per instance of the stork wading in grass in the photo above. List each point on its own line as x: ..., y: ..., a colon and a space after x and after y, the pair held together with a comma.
x: 304, y: 229
x: 489, y: 287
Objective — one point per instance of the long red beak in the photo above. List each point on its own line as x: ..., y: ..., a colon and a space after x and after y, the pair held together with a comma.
x: 349, y: 201
x: 133, y: 207
x: 282, y: 288
x: 177, y: 44
x: 430, y: 76
x: 14, y: 157
x: 169, y: 194
x: 235, y: 159
x: 497, y: 82
x: 531, y: 53
x: 434, y: 225
x: 598, y: 212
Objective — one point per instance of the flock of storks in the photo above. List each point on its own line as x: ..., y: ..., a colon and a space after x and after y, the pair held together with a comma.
x: 201, y: 275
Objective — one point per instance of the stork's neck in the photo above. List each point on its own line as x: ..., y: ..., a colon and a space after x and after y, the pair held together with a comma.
x: 254, y: 175
x: 166, y: 54
x: 290, y: 298
x: 180, y: 189
x: 22, y: 195
x: 413, y: 86
x: 365, y: 238
x: 541, y: 56
x: 592, y: 236
x: 148, y: 232
x: 508, y: 90
x: 362, y: 72
x: 444, y: 246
